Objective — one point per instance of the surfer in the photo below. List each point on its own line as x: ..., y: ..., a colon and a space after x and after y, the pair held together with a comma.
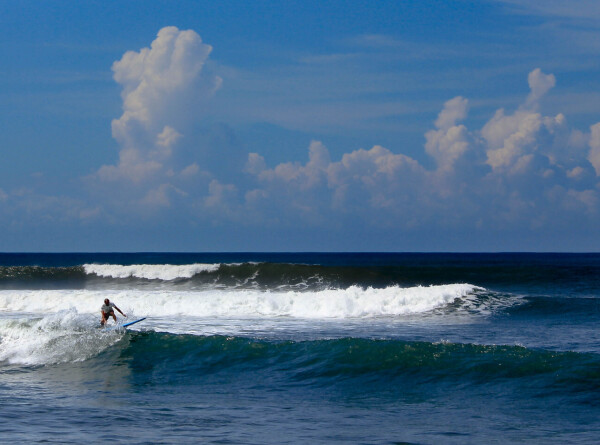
x: 107, y: 311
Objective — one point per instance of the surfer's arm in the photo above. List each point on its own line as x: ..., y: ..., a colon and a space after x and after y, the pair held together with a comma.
x: 121, y: 312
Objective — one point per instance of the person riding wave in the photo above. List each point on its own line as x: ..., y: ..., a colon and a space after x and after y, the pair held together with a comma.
x: 108, y: 311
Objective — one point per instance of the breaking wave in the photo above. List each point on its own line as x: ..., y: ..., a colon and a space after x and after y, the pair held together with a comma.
x: 247, y: 275
x: 63, y: 337
x: 164, y: 272
x: 352, y: 302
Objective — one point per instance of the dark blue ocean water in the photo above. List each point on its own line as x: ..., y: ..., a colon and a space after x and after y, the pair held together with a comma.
x: 301, y: 348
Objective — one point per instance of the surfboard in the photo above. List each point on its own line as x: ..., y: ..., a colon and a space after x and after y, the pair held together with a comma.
x: 132, y: 322
x: 129, y: 323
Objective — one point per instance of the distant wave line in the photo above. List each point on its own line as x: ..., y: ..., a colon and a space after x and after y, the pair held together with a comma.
x: 165, y: 272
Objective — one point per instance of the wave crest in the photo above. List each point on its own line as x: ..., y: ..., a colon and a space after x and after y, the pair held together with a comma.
x: 166, y: 272
x: 352, y: 302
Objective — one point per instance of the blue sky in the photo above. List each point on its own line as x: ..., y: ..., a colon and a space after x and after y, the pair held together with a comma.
x: 332, y: 125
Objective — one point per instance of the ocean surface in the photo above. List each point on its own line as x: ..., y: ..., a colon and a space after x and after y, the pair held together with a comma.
x: 301, y: 348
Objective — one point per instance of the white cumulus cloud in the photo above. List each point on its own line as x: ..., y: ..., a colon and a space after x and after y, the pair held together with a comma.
x: 450, y: 141
x: 540, y: 84
x: 520, y: 168
x: 163, y: 89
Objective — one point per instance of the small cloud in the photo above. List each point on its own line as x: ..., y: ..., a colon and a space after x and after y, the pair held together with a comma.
x: 594, y: 143
x: 510, y: 136
x: 450, y: 141
x: 190, y: 170
x: 255, y: 164
x: 540, y: 84
x: 575, y: 173
x: 454, y: 110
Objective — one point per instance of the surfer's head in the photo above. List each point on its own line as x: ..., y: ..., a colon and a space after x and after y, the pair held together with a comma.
x: 106, y: 301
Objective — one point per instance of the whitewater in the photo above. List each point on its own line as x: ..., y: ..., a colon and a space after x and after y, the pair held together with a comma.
x: 335, y: 303
x: 164, y: 272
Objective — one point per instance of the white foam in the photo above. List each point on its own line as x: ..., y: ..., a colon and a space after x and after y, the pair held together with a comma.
x: 55, y: 338
x: 40, y: 327
x: 353, y: 302
x: 149, y: 271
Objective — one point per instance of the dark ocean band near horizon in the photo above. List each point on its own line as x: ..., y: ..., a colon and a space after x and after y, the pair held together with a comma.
x: 255, y: 348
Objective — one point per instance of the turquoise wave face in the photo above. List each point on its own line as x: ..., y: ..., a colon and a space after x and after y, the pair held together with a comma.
x: 373, y: 365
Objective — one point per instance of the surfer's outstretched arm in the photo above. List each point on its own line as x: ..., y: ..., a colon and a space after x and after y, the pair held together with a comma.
x: 121, y: 312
